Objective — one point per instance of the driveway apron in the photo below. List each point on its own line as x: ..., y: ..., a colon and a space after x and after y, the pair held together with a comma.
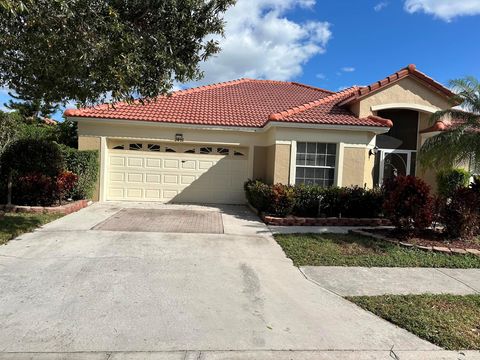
x: 80, y: 285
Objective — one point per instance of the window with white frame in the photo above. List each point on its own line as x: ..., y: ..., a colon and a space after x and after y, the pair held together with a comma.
x: 315, y: 163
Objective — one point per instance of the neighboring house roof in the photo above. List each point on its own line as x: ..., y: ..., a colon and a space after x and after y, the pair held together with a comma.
x: 253, y: 103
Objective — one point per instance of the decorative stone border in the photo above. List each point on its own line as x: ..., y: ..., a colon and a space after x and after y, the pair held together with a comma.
x: 61, y: 209
x: 307, y: 221
x: 440, y: 249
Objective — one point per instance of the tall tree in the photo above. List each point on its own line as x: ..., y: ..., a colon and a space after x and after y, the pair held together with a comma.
x: 30, y: 109
x: 460, y: 143
x: 86, y: 50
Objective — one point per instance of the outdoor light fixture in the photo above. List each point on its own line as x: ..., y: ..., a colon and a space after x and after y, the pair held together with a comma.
x: 373, y: 151
x: 179, y: 137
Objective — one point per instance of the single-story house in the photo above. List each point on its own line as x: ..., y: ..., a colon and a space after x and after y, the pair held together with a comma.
x: 202, y: 144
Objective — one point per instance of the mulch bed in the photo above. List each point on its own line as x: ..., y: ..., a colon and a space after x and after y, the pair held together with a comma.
x: 428, y: 237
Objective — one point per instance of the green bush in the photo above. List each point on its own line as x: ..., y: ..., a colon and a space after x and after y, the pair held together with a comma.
x: 314, y: 200
x: 30, y: 155
x: 307, y: 200
x: 83, y: 163
x: 460, y: 215
x: 448, y: 181
x: 357, y: 202
x: 258, y: 194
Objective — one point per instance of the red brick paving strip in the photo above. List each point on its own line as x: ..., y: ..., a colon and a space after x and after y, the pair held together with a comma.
x: 164, y: 220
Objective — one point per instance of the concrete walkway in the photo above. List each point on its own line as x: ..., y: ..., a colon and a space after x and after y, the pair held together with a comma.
x: 352, y: 281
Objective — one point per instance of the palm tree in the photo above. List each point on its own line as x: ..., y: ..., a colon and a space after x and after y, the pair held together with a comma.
x: 460, y: 143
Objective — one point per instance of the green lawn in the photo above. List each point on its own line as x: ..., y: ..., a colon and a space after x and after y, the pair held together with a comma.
x: 14, y: 224
x: 449, y: 321
x: 354, y: 250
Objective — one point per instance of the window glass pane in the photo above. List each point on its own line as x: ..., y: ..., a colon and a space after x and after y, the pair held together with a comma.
x: 321, y: 160
x: 189, y: 151
x: 300, y: 172
x: 301, y: 159
x: 310, y: 160
x: 205, y: 150
x: 310, y: 173
x: 301, y: 147
x: 330, y: 160
x: 135, y: 146
x: 119, y: 147
x: 311, y: 148
x: 169, y: 149
x: 223, y: 151
x: 153, y: 147
x: 332, y: 149
x: 238, y: 153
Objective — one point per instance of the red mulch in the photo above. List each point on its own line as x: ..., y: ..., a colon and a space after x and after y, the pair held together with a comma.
x: 428, y: 237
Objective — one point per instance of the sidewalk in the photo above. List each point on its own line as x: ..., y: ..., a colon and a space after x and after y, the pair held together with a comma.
x: 356, y: 281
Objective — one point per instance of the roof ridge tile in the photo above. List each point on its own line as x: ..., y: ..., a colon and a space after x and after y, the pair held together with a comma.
x: 210, y: 87
x: 303, y: 107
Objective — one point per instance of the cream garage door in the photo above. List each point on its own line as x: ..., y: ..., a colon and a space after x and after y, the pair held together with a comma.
x: 176, y: 173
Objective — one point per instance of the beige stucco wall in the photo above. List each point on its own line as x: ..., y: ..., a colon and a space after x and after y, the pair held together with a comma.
x: 91, y: 143
x: 405, y: 91
x: 260, y: 163
x: 357, y: 167
x: 282, y: 164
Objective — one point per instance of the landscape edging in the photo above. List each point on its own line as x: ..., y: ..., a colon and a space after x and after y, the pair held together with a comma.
x: 60, y: 209
x: 439, y: 249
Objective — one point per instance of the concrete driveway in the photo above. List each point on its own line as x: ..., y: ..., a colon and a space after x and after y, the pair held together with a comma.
x: 68, y: 288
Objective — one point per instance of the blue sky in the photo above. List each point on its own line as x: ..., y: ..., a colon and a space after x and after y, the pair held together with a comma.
x: 336, y: 44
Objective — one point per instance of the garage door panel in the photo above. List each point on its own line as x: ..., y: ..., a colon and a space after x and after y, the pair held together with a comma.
x: 134, y: 162
x: 134, y: 178
x: 117, y: 161
x: 116, y: 193
x: 187, y: 179
x: 153, y: 178
x: 117, y: 176
x: 189, y: 164
x: 169, y: 194
x: 170, y: 164
x: 153, y: 163
x: 134, y: 193
x: 179, y: 177
x: 153, y: 194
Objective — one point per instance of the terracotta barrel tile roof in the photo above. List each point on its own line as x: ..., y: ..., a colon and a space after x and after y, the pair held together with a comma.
x: 252, y: 103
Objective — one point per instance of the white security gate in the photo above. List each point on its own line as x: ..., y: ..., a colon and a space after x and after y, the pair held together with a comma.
x: 177, y: 173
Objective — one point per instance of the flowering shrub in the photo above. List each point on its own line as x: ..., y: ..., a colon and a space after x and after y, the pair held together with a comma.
x: 408, y: 203
x: 460, y: 214
x: 65, y: 183
x: 35, y: 189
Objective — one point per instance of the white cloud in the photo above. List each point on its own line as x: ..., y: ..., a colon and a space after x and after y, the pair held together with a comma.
x: 261, y: 42
x: 348, y: 69
x: 444, y: 9
x: 320, y: 76
x: 380, y: 6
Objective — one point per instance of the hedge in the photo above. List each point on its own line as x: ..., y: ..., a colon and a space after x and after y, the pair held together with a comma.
x: 85, y: 164
x: 314, y: 200
x: 38, y: 166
